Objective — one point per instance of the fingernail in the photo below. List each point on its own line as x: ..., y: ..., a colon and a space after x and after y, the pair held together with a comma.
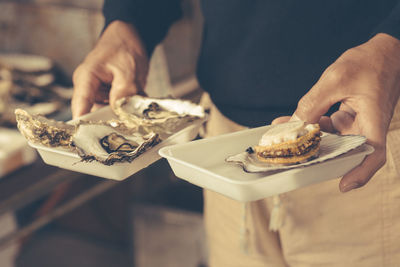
x: 350, y: 187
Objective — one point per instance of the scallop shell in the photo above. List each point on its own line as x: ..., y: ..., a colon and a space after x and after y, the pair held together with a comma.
x: 163, y: 116
x: 331, y: 146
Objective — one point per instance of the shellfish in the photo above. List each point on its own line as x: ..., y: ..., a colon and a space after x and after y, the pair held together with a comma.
x: 163, y: 116
x: 39, y: 129
x: 107, y: 144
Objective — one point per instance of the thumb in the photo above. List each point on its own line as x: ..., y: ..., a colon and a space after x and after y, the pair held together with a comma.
x: 315, y: 103
x: 123, y: 84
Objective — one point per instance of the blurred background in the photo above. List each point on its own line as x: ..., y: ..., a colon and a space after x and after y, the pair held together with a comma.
x: 54, y: 217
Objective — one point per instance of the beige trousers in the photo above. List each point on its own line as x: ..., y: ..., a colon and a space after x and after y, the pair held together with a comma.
x: 322, y: 227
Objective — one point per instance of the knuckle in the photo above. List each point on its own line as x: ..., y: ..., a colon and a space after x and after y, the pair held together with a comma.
x: 337, y: 74
x: 81, y: 70
x: 125, y: 60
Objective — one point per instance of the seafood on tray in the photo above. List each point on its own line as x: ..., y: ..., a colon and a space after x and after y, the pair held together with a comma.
x: 163, y: 116
x: 141, y: 124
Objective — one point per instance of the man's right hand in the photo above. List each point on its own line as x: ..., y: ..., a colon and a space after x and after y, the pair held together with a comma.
x: 116, y: 67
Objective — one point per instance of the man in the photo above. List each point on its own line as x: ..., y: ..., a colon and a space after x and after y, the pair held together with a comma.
x: 258, y: 60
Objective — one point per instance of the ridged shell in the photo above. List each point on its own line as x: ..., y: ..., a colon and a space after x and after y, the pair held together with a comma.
x: 331, y: 146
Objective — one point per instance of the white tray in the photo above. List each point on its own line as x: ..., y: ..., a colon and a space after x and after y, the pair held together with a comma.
x: 203, y: 163
x: 118, y: 171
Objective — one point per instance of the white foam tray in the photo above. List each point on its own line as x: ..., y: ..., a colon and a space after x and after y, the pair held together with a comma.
x: 202, y: 163
x: 118, y: 171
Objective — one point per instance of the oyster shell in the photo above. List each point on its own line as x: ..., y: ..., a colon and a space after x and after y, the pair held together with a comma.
x: 107, y: 144
x: 38, y: 129
x: 163, y: 116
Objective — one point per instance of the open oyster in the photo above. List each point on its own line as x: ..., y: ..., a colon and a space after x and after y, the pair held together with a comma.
x: 107, y: 144
x: 38, y: 129
x: 163, y: 116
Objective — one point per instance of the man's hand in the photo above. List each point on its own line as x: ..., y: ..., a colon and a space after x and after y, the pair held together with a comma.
x: 366, y: 81
x: 116, y: 67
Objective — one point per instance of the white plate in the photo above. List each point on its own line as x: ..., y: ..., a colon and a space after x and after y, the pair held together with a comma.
x: 203, y: 163
x: 118, y: 171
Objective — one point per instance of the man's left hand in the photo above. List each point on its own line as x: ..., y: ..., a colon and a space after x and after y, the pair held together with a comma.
x: 366, y: 81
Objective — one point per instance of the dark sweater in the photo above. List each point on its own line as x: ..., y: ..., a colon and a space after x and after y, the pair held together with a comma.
x: 259, y: 57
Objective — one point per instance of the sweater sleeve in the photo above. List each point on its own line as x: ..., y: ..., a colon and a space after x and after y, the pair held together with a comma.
x: 152, y: 18
x: 391, y: 25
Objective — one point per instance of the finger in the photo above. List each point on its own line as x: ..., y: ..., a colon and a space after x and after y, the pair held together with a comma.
x: 360, y: 175
x: 326, y: 124
x: 348, y: 109
x: 344, y: 123
x: 313, y: 105
x: 280, y: 120
x: 371, y: 122
x: 85, y: 89
x: 365, y: 123
x: 123, y: 85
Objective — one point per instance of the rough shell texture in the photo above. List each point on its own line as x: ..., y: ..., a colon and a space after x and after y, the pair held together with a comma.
x: 107, y: 144
x: 163, y: 116
x: 41, y: 130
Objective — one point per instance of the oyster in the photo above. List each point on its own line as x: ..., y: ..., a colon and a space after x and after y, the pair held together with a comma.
x: 163, y: 116
x: 108, y: 144
x: 38, y: 129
